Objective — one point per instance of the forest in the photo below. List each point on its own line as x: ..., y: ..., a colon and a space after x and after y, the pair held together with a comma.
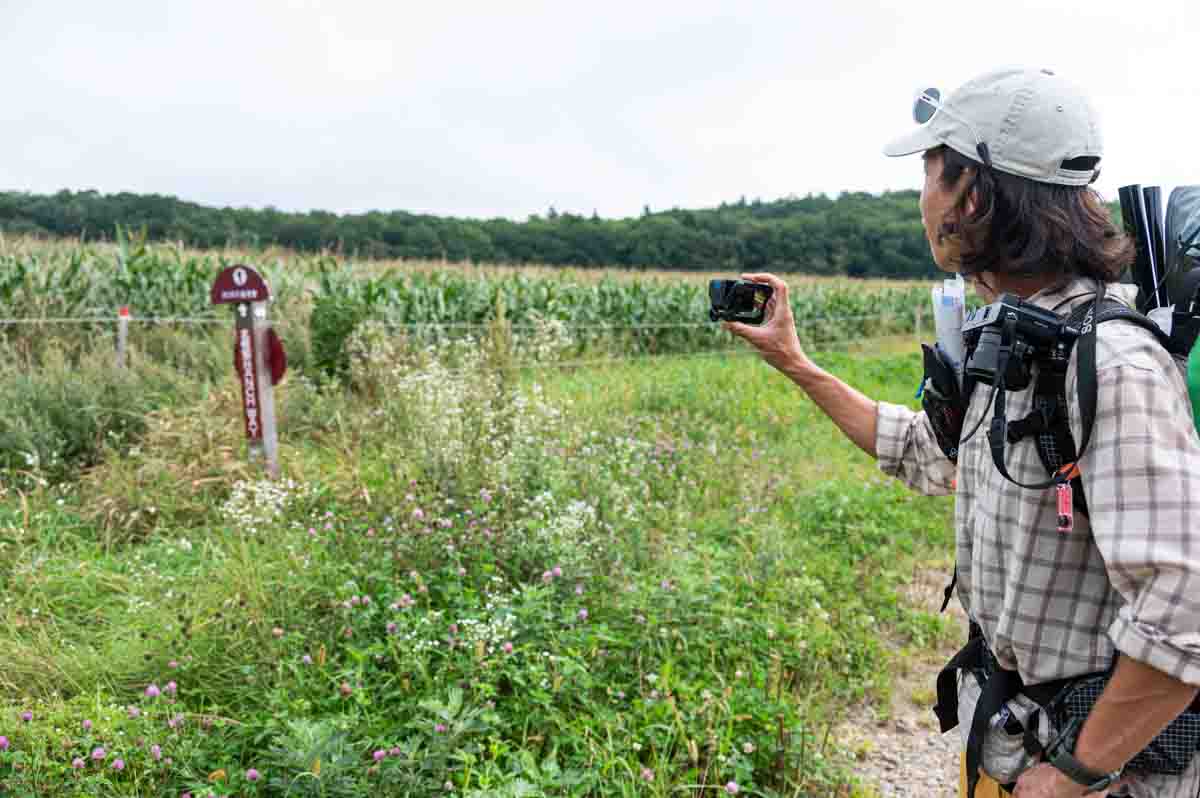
x: 854, y: 234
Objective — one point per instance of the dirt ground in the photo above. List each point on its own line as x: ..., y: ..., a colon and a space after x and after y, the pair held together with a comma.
x: 900, y: 750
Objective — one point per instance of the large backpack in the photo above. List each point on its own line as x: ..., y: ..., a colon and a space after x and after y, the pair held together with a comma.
x: 1167, y: 275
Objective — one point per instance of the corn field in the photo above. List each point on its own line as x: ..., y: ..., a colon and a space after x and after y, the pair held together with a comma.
x: 322, y: 300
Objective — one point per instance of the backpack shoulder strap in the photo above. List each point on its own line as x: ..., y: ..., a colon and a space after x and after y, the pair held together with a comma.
x: 1050, y: 422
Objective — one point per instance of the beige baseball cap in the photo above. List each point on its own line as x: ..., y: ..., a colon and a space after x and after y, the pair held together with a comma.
x: 1027, y: 122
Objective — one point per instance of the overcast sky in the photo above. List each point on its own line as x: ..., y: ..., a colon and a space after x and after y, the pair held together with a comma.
x: 507, y: 108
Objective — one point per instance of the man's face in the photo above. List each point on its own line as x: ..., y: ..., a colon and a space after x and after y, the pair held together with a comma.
x: 937, y: 207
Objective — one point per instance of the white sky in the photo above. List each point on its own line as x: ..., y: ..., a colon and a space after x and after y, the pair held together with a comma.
x: 506, y: 108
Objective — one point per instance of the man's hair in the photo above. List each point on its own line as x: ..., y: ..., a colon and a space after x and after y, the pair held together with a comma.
x: 1021, y: 227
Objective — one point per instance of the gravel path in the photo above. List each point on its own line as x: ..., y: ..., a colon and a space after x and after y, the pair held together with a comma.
x: 900, y: 751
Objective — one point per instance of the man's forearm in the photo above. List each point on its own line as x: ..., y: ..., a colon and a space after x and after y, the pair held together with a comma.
x: 1138, y: 703
x: 852, y: 411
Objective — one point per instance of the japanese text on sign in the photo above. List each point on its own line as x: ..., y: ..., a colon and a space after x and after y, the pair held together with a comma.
x: 249, y: 388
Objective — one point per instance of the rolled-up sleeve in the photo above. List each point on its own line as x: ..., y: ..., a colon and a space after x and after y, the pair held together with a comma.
x: 1141, y: 476
x: 907, y: 449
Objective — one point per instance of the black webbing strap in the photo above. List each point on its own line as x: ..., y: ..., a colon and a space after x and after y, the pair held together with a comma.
x: 969, y: 657
x: 949, y: 591
x: 999, y: 687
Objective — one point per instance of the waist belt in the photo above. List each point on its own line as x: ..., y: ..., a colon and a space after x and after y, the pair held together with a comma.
x: 999, y: 685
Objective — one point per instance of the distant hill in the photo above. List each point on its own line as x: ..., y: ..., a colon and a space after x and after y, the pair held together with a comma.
x: 856, y: 234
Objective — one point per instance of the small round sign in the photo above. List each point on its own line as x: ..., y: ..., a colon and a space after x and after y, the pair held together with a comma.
x: 239, y: 284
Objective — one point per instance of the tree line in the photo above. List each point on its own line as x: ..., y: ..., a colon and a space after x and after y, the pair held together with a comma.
x: 854, y: 234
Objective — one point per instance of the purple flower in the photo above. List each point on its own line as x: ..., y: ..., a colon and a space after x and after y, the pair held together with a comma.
x: 583, y: 615
x: 98, y: 753
x: 118, y: 764
x: 87, y: 725
x: 547, y: 576
x: 134, y: 712
x: 171, y: 688
x: 508, y: 648
x: 153, y: 692
x: 578, y: 590
x: 306, y: 659
x: 252, y: 775
x: 172, y: 664
x: 418, y: 513
x: 3, y: 743
x: 379, y: 755
x: 395, y: 751
x: 77, y: 763
x: 391, y: 628
x: 27, y: 716
x: 440, y: 728
x: 557, y: 570
x: 156, y: 752
x: 647, y: 774
x: 732, y: 788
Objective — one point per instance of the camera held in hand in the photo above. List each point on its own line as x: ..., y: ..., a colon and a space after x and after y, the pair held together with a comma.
x: 738, y: 300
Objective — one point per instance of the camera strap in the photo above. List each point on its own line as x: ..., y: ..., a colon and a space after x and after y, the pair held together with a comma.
x: 998, y: 432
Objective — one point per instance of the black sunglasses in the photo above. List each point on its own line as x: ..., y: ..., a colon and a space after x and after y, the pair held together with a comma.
x: 927, y: 103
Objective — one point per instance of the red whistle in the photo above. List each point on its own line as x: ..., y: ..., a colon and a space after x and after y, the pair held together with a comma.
x: 1066, y: 507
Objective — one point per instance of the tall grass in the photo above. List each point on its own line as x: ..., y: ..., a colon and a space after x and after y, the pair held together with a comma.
x: 634, y: 581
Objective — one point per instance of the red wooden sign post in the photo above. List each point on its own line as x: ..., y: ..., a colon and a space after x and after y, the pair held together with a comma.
x: 258, y: 357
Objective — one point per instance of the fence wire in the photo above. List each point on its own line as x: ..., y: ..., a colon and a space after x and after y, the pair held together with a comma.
x: 419, y: 325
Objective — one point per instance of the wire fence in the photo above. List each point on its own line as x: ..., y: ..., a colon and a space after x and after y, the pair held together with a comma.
x: 898, y: 324
x: 215, y: 320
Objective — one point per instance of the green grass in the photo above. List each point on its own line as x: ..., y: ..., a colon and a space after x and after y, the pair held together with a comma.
x: 738, y: 560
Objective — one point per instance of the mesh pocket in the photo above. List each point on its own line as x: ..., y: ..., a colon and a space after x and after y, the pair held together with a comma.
x: 1169, y: 753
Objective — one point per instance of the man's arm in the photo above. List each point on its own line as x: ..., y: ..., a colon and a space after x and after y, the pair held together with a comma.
x: 852, y: 411
x: 1138, y: 703
x: 900, y: 439
x: 777, y: 342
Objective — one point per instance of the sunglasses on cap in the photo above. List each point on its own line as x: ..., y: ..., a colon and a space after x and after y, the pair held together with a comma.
x: 927, y: 103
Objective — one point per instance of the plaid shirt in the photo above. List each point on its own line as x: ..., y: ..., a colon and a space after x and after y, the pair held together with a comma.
x: 1045, y: 599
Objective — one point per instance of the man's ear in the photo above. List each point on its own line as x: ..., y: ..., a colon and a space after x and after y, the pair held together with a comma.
x: 971, y: 204
x: 971, y: 200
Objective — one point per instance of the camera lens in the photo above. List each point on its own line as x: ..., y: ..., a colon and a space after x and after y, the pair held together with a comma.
x: 982, y: 363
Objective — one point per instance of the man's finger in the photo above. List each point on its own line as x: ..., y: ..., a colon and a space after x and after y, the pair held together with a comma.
x: 744, y: 331
x: 763, y: 277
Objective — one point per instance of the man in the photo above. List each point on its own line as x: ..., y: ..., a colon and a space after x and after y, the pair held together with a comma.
x: 1008, y: 161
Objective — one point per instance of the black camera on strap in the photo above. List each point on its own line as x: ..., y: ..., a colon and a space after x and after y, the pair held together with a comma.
x: 1007, y: 337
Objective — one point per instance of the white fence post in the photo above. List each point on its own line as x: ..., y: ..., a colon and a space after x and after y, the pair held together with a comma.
x: 122, y: 335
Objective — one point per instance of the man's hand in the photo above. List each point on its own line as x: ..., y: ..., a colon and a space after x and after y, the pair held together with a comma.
x: 1046, y: 781
x: 776, y: 339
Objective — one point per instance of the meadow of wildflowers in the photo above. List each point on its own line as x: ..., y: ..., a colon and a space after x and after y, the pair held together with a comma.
x: 642, y: 579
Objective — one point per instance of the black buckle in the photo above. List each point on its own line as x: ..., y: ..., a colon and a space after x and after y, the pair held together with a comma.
x: 1059, y: 754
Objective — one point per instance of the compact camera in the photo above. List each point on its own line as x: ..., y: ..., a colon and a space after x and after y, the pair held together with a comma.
x: 1032, y: 333
x: 738, y: 300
